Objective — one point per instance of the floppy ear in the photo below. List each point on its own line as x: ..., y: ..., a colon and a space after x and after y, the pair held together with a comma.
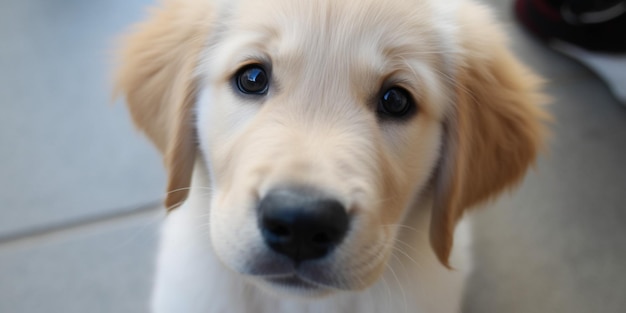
x: 494, y: 132
x: 156, y: 76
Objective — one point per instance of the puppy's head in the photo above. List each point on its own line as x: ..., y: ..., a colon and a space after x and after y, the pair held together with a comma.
x: 322, y: 123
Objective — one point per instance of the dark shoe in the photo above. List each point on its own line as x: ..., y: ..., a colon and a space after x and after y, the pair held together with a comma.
x: 592, y: 32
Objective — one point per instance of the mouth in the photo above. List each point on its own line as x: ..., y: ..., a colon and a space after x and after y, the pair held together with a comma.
x: 296, y: 284
x: 292, y: 281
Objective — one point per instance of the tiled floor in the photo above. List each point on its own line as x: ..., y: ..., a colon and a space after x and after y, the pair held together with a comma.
x: 68, y: 153
x: 78, y: 222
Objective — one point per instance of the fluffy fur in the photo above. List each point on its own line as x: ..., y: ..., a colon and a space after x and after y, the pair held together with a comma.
x: 405, y: 183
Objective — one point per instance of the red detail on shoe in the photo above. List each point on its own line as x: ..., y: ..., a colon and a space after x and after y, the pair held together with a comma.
x: 547, y: 10
x: 522, y: 14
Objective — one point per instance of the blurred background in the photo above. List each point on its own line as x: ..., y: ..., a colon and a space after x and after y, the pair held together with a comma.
x: 80, y: 189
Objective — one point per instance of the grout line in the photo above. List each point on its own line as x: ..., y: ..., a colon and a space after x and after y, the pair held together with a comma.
x: 78, y: 223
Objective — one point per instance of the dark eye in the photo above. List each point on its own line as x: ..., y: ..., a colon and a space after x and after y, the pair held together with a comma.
x: 395, y: 102
x: 252, y: 79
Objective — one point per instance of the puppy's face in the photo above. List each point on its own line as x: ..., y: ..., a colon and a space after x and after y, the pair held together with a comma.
x: 323, y: 122
x: 319, y: 121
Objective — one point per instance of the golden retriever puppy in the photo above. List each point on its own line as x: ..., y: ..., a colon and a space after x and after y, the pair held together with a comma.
x: 321, y: 153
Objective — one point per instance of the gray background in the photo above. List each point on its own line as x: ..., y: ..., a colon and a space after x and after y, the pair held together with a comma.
x: 80, y: 189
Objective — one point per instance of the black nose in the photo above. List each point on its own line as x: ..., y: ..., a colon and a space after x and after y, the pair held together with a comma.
x: 301, y: 224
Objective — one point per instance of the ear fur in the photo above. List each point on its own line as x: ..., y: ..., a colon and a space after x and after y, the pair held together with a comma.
x: 156, y: 76
x: 494, y: 133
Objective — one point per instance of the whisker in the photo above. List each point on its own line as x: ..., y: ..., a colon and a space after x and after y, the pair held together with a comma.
x: 406, y: 308
x: 189, y: 188
x: 403, y: 253
x: 175, y: 205
x: 407, y: 245
x: 417, y: 231
x: 141, y: 229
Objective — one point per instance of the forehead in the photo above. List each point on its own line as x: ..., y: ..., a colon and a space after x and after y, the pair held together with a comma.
x: 333, y: 42
x: 346, y: 28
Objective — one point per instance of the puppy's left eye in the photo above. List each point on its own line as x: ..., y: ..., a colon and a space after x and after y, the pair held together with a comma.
x: 252, y: 79
x: 395, y: 102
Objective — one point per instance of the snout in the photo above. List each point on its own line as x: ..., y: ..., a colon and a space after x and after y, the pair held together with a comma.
x: 304, y: 219
x: 302, y: 223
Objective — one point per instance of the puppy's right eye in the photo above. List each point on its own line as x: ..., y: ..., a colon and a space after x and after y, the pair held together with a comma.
x: 395, y: 103
x: 252, y: 79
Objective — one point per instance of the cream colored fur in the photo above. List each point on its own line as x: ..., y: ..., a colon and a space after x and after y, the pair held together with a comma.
x: 405, y: 183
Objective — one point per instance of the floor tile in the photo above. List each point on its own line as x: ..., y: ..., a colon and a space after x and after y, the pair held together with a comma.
x: 100, y: 268
x: 66, y: 151
x: 557, y: 245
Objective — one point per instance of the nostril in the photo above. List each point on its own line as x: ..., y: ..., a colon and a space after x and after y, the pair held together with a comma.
x: 279, y: 230
x: 322, y: 239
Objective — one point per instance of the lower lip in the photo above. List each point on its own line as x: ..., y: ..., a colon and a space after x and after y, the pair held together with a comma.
x: 293, y: 282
